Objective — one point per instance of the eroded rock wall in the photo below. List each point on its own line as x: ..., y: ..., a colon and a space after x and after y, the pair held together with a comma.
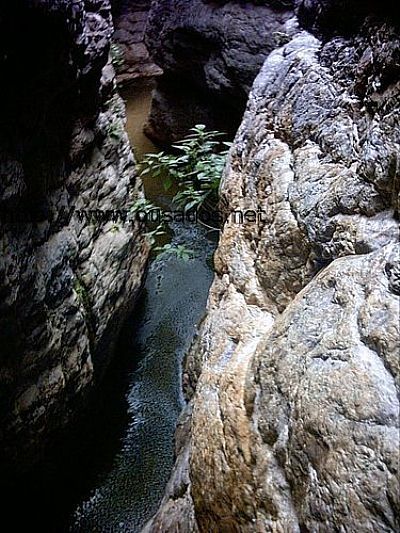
x: 130, y: 20
x: 210, y: 53
x: 66, y: 281
x: 293, y: 382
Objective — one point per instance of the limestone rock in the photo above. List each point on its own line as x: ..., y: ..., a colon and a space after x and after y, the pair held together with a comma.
x: 293, y: 381
x: 130, y: 19
x: 66, y: 282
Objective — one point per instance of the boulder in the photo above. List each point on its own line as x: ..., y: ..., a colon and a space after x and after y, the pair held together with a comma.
x: 210, y: 53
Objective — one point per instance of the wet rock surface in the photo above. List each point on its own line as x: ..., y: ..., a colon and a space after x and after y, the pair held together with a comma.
x: 66, y: 282
x: 210, y: 53
x: 293, y: 415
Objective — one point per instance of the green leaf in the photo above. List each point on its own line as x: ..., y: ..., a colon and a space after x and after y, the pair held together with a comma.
x: 167, y: 183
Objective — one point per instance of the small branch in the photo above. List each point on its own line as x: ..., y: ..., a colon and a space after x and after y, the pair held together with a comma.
x: 209, y: 227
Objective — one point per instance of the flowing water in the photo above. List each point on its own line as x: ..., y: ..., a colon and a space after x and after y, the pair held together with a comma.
x: 110, y: 475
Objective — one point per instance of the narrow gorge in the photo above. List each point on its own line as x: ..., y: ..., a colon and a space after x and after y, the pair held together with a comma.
x: 234, y: 368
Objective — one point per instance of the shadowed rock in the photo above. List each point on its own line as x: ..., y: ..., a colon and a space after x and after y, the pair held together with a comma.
x: 210, y: 53
x: 66, y: 282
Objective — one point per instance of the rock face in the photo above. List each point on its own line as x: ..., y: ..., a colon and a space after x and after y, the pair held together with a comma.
x: 66, y: 281
x: 130, y: 19
x: 293, y: 415
x: 210, y: 53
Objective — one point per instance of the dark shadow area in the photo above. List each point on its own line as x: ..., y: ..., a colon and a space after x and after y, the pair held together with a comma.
x: 44, y: 91
x: 38, y: 94
x: 45, y: 498
x: 341, y: 17
x: 179, y: 105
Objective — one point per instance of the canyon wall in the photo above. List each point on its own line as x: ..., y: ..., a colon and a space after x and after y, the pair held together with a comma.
x: 66, y: 281
x: 210, y: 53
x: 292, y: 421
x: 130, y: 20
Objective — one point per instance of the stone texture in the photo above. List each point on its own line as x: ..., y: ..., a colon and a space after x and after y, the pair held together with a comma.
x: 130, y: 19
x: 293, y: 382
x: 66, y: 282
x: 210, y: 53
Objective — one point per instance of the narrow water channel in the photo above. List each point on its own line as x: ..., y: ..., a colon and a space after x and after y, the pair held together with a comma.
x: 112, y: 475
x: 174, y: 300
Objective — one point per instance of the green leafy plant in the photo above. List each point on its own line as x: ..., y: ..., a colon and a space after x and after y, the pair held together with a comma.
x: 142, y: 205
x: 180, y: 251
x: 116, y: 131
x: 115, y: 228
x: 81, y: 292
x: 196, y: 167
x: 157, y: 230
